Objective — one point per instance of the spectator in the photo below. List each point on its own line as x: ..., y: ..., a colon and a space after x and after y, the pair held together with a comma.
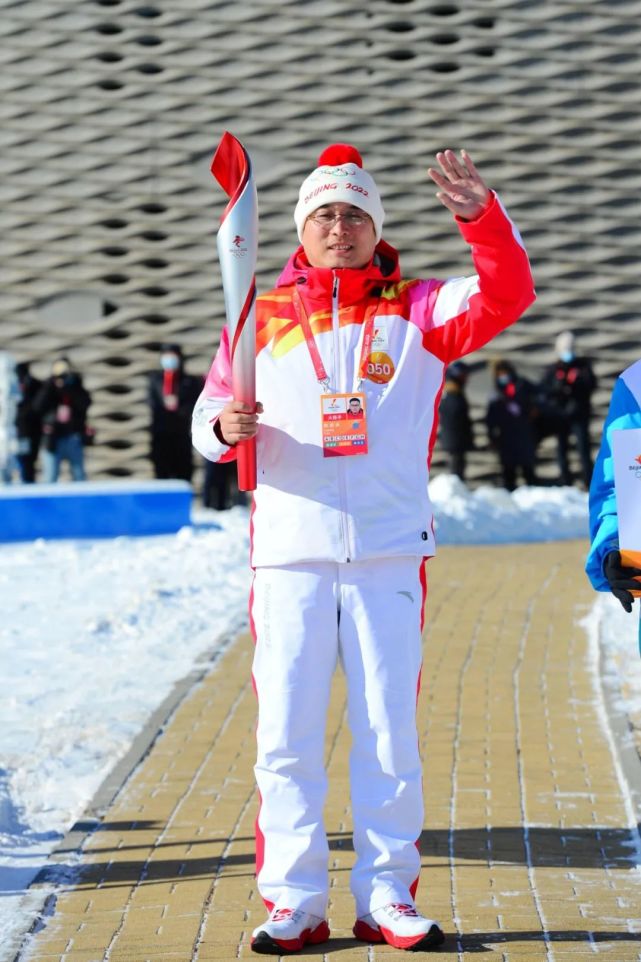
x: 28, y: 423
x: 172, y: 395
x: 510, y: 415
x: 604, y: 566
x: 456, y: 433
x: 62, y: 404
x: 569, y: 384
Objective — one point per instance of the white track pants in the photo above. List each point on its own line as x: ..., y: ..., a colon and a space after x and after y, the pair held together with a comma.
x: 305, y: 617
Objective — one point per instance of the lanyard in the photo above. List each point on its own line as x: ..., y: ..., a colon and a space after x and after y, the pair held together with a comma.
x: 319, y: 368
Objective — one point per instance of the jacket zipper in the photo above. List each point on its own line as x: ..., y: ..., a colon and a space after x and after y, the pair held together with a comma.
x: 339, y: 379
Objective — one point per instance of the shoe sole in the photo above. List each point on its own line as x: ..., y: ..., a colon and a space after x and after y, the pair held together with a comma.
x: 265, y: 944
x: 423, y: 943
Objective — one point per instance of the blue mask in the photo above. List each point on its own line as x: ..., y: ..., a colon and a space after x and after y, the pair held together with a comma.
x: 503, y: 379
x: 169, y: 362
x: 566, y: 356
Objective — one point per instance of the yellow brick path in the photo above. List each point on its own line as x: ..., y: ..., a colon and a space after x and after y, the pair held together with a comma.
x: 526, y: 849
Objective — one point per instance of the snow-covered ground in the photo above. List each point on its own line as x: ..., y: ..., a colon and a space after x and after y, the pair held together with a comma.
x: 96, y: 633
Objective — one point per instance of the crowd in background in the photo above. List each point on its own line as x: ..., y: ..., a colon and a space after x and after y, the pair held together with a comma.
x: 521, y: 413
x: 51, y: 421
x: 53, y: 430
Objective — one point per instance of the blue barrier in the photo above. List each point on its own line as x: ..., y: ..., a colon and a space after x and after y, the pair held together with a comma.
x: 87, y: 509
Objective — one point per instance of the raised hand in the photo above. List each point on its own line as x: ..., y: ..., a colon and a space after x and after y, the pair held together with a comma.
x: 462, y: 189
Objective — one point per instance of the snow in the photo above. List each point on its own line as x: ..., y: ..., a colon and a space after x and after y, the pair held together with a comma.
x: 95, y: 634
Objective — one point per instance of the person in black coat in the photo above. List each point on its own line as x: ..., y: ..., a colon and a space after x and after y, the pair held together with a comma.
x: 510, y: 418
x: 172, y: 396
x: 569, y: 385
x: 62, y: 404
x: 28, y: 423
x: 456, y: 434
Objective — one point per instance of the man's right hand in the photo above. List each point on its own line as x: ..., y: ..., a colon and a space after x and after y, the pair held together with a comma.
x: 237, y: 422
x: 621, y: 579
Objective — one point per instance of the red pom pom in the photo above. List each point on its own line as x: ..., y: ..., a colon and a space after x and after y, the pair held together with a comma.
x: 338, y: 154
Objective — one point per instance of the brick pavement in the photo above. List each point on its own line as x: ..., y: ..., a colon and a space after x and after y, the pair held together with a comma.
x: 527, y: 848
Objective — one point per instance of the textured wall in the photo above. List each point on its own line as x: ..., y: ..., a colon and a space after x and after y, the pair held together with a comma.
x: 111, y: 109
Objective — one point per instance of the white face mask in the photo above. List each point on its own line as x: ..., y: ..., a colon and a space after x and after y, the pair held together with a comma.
x: 169, y: 362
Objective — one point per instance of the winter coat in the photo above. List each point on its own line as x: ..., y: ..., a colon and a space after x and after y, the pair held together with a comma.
x: 58, y: 395
x: 624, y: 412
x: 509, y: 422
x: 308, y: 507
x: 455, y: 425
x: 569, y: 385
x: 187, y: 388
x: 28, y: 419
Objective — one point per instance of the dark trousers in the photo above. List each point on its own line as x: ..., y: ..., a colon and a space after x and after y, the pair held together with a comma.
x: 217, y: 485
x: 509, y: 474
x: 27, y: 460
x: 171, y: 457
x: 580, y: 429
x: 456, y: 463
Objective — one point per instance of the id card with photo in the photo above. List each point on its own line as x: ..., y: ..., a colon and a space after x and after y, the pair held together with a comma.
x: 343, y: 424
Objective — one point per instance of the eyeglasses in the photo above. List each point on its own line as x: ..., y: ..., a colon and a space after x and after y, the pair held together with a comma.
x: 327, y: 218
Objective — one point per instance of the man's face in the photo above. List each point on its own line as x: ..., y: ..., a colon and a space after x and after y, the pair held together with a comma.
x: 354, y: 406
x: 336, y: 241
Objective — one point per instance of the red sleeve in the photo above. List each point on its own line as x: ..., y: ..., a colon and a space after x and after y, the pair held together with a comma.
x: 467, y: 312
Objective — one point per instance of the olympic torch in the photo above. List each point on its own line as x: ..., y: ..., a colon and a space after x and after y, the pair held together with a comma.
x: 237, y: 242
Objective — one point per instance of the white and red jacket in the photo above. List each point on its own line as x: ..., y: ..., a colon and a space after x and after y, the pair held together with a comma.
x: 311, y: 508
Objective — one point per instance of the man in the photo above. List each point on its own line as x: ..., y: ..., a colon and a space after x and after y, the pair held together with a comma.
x: 604, y: 567
x: 28, y: 423
x: 456, y: 434
x: 338, y: 542
x: 172, y: 395
x: 62, y: 404
x: 510, y: 424
x: 569, y: 385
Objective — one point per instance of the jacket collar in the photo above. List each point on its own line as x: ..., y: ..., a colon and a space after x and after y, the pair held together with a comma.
x: 317, y: 282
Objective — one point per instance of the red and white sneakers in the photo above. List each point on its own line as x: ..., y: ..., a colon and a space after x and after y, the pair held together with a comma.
x: 400, y: 926
x: 288, y: 930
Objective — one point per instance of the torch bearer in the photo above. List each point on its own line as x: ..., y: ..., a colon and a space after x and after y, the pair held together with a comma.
x: 237, y: 242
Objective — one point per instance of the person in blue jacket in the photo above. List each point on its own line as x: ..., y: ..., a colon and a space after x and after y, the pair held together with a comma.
x: 603, y: 565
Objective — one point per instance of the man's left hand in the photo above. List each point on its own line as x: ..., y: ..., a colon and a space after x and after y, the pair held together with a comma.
x: 462, y: 189
x: 622, y: 579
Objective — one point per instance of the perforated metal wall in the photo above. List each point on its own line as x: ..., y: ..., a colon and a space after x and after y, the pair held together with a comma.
x: 110, y: 111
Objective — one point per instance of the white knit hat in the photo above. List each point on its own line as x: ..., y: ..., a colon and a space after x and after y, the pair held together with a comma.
x: 339, y: 178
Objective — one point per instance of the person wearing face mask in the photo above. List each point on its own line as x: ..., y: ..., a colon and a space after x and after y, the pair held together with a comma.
x: 510, y: 421
x: 569, y: 384
x: 172, y: 395
x: 342, y: 526
x: 62, y: 404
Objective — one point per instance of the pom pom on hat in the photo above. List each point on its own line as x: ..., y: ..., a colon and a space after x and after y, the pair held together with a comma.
x: 339, y: 178
x: 337, y: 154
